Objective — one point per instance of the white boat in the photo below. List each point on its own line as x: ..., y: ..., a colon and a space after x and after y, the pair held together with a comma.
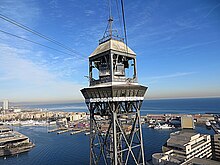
x: 151, y: 126
x: 87, y: 133
x: 208, y: 124
x: 164, y: 126
x: 152, y: 121
x: 213, y: 122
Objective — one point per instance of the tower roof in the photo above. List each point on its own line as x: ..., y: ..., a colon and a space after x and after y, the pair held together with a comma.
x: 112, y: 44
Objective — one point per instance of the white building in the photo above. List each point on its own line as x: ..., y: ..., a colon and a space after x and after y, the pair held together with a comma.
x: 187, y: 122
x: 5, y: 104
x: 169, y: 158
x: 183, y: 146
x: 216, y: 147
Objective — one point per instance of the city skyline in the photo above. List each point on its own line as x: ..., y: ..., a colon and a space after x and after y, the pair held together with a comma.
x: 177, y: 47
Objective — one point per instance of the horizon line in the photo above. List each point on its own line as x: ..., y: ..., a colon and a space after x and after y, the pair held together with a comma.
x: 80, y: 101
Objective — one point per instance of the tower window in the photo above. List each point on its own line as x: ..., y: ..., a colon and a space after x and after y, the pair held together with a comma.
x: 119, y: 70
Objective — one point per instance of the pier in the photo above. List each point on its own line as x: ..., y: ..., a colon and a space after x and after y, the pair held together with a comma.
x: 216, y: 128
x: 76, y: 132
x: 63, y: 131
x: 53, y: 130
x: 71, y: 130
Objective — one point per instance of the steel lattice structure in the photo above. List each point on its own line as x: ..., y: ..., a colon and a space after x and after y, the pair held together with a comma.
x: 116, y: 145
x: 115, y: 125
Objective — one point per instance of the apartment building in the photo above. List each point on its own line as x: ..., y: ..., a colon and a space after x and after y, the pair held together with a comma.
x: 183, y: 146
x: 216, y: 147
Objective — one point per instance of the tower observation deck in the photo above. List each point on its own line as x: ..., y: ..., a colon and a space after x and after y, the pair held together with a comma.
x: 114, y: 99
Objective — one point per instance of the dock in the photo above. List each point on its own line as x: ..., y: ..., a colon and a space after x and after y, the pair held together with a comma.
x: 76, y: 132
x: 71, y: 130
x: 216, y: 128
x: 53, y: 130
x: 63, y: 131
x: 57, y: 129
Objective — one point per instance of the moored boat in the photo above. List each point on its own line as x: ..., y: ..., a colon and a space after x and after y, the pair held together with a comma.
x: 208, y: 124
x: 164, y: 126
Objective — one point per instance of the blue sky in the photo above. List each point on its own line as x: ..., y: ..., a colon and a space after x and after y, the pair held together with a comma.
x: 177, y: 45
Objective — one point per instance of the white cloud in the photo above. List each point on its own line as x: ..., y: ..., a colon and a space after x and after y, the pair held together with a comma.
x: 16, y: 67
x: 89, y: 12
x: 174, y: 75
x: 22, y: 79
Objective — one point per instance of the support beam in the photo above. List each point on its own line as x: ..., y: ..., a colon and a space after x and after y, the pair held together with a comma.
x: 116, y: 138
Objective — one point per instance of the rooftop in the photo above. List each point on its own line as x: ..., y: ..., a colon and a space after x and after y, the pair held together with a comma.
x: 200, y: 161
x: 112, y: 44
x: 10, y: 136
x: 4, y: 129
x: 180, y: 138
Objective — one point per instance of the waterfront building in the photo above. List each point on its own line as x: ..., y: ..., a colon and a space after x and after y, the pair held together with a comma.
x: 76, y: 116
x: 202, y: 118
x: 5, y: 104
x: 183, y: 146
x: 188, y: 144
x: 13, y: 142
x: 187, y: 122
x: 169, y: 158
x: 38, y: 115
x: 155, y: 117
x: 16, y: 110
x: 216, y: 147
x: 166, y: 158
x: 200, y: 161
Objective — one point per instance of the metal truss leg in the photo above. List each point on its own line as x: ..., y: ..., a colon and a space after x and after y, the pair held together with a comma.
x: 116, y: 144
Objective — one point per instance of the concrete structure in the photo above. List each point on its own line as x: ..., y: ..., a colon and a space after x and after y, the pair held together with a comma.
x: 200, y: 161
x: 113, y: 94
x: 202, y: 118
x: 169, y: 158
x: 12, y: 142
x: 16, y: 110
x: 187, y: 122
x: 188, y: 145
x: 183, y: 147
x: 166, y: 158
x: 77, y: 116
x: 5, y: 104
x: 216, y: 147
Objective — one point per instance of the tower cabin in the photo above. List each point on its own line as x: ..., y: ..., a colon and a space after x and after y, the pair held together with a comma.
x: 112, y: 71
x: 112, y: 63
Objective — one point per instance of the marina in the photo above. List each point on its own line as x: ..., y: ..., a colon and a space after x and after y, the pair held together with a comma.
x: 45, y: 138
x: 46, y: 143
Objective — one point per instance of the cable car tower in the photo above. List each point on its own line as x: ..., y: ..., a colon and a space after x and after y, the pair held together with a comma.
x: 114, y: 99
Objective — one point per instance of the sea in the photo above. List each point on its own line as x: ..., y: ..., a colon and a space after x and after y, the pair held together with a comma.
x: 66, y: 149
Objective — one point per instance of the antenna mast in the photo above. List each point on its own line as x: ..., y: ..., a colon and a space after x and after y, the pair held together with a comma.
x: 110, y: 33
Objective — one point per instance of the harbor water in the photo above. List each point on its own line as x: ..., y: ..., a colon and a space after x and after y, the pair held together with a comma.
x: 66, y: 149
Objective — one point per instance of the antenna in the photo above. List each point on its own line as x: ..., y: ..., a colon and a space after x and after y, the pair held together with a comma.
x: 110, y: 33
